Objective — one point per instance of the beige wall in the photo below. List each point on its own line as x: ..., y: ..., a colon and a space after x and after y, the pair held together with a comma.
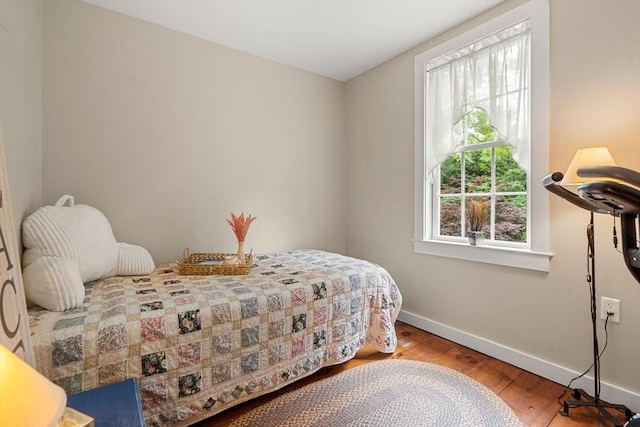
x: 167, y: 134
x: 21, y: 139
x: 595, y: 99
x: 21, y: 102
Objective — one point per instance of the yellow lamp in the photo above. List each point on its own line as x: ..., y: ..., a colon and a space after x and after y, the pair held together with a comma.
x: 593, y: 156
x: 27, y: 398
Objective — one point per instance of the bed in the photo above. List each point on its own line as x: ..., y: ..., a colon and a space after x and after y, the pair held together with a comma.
x: 201, y: 344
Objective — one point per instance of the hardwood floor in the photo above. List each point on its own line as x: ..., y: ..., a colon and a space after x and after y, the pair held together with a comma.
x: 533, y: 398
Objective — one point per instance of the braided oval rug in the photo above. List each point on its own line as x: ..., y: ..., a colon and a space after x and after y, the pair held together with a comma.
x: 386, y: 393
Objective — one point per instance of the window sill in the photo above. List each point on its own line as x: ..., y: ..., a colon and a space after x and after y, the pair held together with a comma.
x: 510, y: 257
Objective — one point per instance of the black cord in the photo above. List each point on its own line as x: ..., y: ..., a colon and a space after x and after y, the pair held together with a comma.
x: 592, y: 297
x: 615, y: 234
x: 590, y: 279
x: 589, y: 256
x: 615, y: 237
x: 606, y: 341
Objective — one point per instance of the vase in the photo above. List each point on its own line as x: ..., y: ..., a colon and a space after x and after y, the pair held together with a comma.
x: 241, y: 257
x: 476, y: 238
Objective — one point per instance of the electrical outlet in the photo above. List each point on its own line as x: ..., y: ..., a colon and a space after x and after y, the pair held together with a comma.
x: 610, y: 305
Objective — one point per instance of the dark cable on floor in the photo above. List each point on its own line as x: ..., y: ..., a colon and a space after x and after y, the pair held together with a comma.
x: 606, y: 341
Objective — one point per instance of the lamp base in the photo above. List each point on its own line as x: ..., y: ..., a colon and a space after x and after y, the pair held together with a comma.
x: 74, y: 418
x: 594, y: 402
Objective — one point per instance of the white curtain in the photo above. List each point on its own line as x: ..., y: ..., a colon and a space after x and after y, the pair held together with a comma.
x: 492, y: 74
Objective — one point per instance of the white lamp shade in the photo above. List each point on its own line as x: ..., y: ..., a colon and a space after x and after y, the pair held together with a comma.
x: 594, y: 156
x: 27, y: 398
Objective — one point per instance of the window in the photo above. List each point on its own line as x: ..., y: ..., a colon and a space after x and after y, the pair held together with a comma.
x: 482, y: 137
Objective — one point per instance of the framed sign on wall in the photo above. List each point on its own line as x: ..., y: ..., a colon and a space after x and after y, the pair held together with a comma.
x: 14, y: 322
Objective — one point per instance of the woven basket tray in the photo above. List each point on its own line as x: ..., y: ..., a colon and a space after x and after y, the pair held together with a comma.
x: 212, y: 263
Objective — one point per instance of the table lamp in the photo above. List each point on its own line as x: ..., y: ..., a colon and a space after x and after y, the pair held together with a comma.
x: 584, y: 157
x: 28, y: 398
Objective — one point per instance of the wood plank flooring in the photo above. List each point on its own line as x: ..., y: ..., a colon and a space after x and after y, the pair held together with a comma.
x: 533, y: 398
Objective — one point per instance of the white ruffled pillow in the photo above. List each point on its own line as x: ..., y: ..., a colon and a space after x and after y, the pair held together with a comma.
x: 67, y: 245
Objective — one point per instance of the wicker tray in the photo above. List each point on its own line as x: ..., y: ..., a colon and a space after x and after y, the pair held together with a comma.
x: 212, y: 263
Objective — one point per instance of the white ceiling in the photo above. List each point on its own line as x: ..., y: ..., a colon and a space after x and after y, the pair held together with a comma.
x: 339, y: 39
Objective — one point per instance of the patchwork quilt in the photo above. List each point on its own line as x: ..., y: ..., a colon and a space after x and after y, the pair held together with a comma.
x: 200, y: 344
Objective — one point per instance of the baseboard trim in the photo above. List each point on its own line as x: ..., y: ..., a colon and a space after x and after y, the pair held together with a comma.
x: 543, y: 368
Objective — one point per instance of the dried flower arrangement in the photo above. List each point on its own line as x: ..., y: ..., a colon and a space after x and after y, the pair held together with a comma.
x: 240, y: 226
x: 477, y: 214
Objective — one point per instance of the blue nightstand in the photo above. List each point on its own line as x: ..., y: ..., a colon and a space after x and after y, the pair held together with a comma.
x: 113, y: 405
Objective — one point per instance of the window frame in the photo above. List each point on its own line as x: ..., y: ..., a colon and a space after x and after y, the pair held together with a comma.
x: 537, y: 255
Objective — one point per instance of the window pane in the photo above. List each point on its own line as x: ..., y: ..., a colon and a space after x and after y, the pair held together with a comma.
x: 450, y: 173
x: 477, y: 168
x: 450, y: 215
x: 511, y: 218
x: 509, y: 176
